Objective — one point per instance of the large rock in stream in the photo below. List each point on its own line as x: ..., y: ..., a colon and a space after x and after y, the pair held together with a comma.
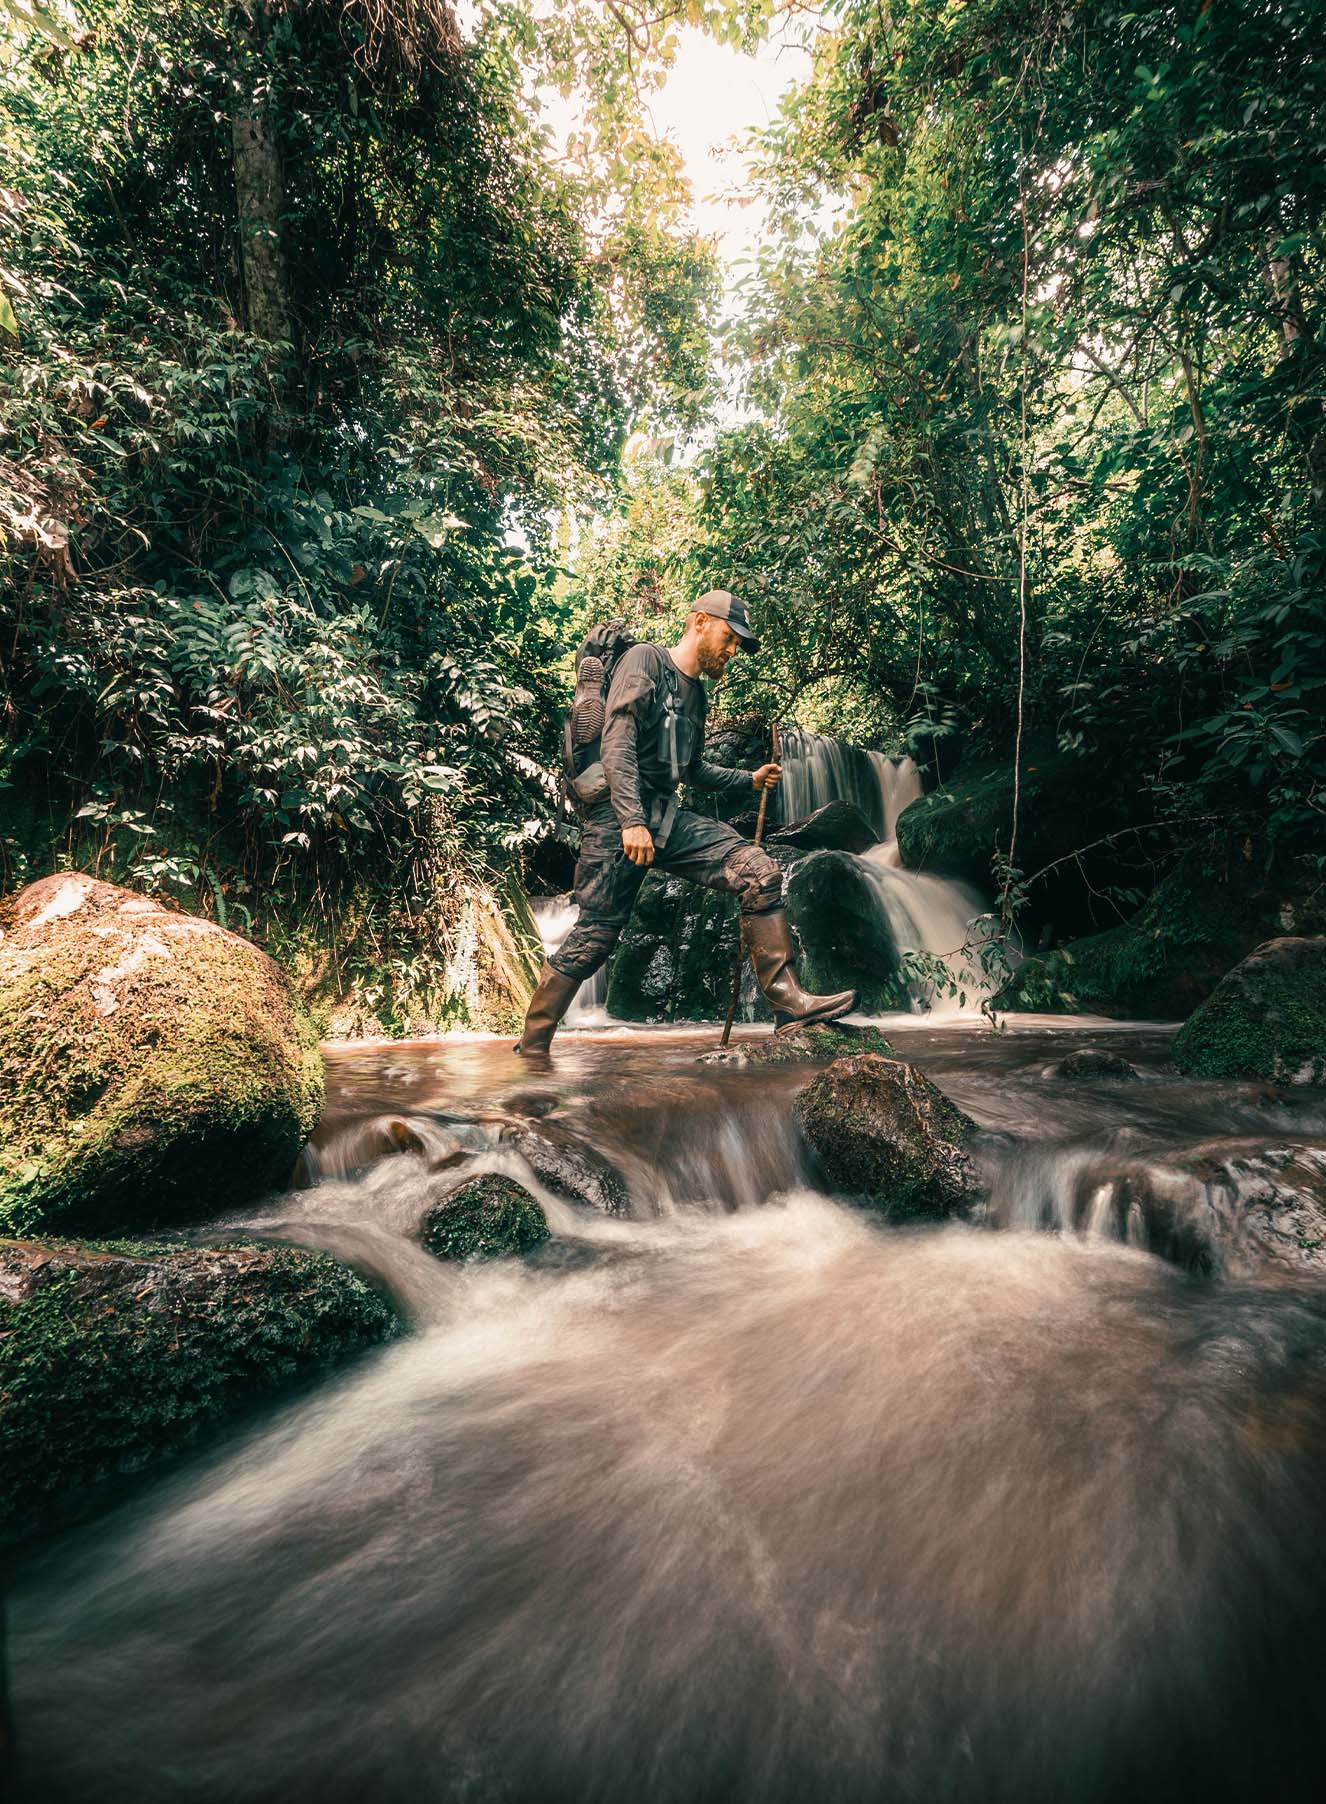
x: 884, y: 1133
x: 836, y: 827
x: 835, y: 905
x: 152, y: 1065
x: 114, y: 1356
x: 1266, y: 1018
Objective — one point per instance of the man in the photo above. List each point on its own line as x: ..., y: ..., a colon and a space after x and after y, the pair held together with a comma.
x: 653, y: 736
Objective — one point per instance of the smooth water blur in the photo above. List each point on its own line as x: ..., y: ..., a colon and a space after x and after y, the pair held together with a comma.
x: 746, y: 1497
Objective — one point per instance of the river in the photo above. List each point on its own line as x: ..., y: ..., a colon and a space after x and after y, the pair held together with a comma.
x: 747, y: 1496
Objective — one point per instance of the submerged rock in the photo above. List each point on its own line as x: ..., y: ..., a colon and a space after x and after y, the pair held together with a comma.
x: 152, y: 1065
x: 837, y: 827
x: 568, y: 1167
x: 812, y: 1045
x: 114, y: 1355
x: 489, y: 1217
x: 882, y: 1131
x: 1092, y: 1064
x: 1266, y: 1018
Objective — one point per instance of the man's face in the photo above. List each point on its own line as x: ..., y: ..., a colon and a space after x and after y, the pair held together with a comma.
x: 717, y: 644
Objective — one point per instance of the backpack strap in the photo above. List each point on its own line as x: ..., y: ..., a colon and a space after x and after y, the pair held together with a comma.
x: 671, y: 715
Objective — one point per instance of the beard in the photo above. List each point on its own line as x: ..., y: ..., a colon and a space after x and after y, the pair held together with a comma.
x: 712, y: 663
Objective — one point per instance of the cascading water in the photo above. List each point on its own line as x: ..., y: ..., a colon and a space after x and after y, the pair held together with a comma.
x: 935, y: 916
x: 555, y: 916
x: 747, y: 1498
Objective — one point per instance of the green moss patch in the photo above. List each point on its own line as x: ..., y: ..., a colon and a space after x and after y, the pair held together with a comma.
x: 885, y: 1134
x: 491, y: 1217
x: 117, y: 1354
x: 1266, y: 1018
x: 152, y: 1065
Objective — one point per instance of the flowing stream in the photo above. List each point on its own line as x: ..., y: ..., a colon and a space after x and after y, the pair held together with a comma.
x: 746, y: 1496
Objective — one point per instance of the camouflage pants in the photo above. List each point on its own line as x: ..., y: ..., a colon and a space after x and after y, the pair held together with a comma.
x: 704, y: 851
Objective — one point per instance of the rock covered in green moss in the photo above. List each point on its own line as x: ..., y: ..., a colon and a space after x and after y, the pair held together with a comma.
x: 490, y: 1217
x: 152, y: 1065
x: 1266, y: 1018
x: 884, y: 1133
x: 1093, y: 1064
x: 114, y: 1355
x: 1196, y: 924
x: 812, y: 1045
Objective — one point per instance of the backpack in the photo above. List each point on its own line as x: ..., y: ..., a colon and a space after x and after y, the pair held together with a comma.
x: 584, y: 779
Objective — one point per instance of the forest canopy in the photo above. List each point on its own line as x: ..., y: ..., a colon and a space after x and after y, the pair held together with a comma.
x: 335, y: 402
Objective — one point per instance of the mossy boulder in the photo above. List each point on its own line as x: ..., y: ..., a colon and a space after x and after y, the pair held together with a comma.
x: 1200, y: 920
x: 115, y: 1355
x: 674, y: 959
x: 836, y: 908
x: 813, y: 1045
x: 152, y: 1066
x: 883, y: 1132
x: 1093, y: 1064
x: 489, y: 1217
x: 1266, y: 1018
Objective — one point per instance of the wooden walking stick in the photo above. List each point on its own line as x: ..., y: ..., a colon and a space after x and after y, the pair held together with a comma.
x: 741, y: 944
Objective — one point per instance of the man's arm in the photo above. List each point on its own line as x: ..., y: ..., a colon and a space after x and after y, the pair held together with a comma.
x: 721, y: 777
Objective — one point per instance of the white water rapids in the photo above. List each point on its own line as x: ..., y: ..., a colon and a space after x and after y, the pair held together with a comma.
x: 752, y: 1500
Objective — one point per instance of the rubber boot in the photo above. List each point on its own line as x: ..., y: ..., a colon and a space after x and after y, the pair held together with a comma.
x: 547, y: 1005
x: 769, y: 939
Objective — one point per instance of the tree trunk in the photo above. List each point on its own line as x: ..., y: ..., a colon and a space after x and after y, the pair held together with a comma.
x: 259, y: 192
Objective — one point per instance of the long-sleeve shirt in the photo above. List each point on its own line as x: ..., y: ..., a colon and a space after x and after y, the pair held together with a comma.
x: 635, y: 760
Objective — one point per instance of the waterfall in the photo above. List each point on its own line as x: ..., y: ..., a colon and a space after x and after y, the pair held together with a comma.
x: 925, y: 914
x: 555, y: 916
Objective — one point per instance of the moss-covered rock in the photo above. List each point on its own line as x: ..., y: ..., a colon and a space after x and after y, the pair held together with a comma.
x: 152, y: 1065
x: 846, y: 943
x: 115, y: 1355
x: 488, y: 1217
x: 1196, y: 924
x: 1093, y: 1064
x: 813, y: 1045
x: 1266, y: 1018
x: 883, y: 1132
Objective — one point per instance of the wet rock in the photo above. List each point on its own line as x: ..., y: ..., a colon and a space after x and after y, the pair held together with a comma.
x: 152, y: 1065
x: 845, y: 939
x: 837, y: 827
x: 811, y: 1046
x: 115, y: 1355
x: 1093, y: 1064
x: 489, y: 1217
x: 674, y: 960
x: 1266, y: 1018
x: 883, y: 1132
x: 1260, y: 1210
x: 568, y: 1167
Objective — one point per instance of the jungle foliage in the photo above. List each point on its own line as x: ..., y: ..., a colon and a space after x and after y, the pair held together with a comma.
x: 317, y: 371
x: 306, y: 340
x: 1034, y: 368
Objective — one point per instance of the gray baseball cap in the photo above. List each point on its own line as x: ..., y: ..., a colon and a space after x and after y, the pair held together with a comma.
x: 722, y: 604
